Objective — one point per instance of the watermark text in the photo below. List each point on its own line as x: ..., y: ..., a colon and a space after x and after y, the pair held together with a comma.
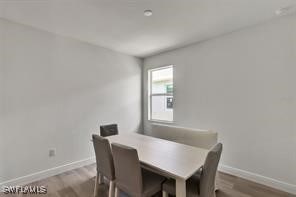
x: 28, y: 189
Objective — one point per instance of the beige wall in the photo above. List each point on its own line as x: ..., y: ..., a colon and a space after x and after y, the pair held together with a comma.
x: 241, y: 85
x: 54, y: 93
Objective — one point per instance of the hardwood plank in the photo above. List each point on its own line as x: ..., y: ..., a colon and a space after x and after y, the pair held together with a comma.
x: 80, y: 182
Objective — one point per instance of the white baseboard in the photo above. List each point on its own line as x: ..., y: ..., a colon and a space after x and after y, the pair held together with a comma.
x: 47, y: 173
x: 290, y: 188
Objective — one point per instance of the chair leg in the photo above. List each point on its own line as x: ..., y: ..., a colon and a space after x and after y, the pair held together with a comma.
x: 101, y: 179
x: 111, y: 188
x: 116, y: 192
x: 96, y: 186
x: 164, y: 194
x: 216, y: 182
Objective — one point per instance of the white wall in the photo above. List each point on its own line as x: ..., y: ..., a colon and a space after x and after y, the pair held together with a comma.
x: 241, y: 85
x: 54, y: 93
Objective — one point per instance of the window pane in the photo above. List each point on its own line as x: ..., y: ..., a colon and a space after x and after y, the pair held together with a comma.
x: 162, y: 81
x: 162, y: 108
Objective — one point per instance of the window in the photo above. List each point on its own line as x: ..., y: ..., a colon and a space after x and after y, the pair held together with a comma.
x: 160, y: 97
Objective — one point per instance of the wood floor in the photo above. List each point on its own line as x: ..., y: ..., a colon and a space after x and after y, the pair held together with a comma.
x: 80, y: 183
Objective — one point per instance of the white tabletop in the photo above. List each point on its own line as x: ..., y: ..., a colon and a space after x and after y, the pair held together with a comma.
x: 176, y: 160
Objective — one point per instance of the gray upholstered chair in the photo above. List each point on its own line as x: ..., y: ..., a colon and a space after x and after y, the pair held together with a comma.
x: 130, y: 178
x: 108, y: 130
x: 203, y: 185
x: 105, y: 165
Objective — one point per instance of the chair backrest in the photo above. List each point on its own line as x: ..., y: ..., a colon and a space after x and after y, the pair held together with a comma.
x: 209, y: 170
x: 108, y: 130
x: 104, y: 158
x: 127, y: 169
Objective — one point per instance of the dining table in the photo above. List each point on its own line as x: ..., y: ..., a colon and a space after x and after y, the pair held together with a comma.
x: 167, y: 158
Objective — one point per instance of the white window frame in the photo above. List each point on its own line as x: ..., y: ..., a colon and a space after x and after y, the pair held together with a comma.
x: 158, y: 94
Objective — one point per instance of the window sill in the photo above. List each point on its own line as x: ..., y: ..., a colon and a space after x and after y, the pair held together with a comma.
x: 161, y: 121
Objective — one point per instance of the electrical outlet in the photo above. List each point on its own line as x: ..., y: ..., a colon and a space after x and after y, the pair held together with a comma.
x: 52, y: 152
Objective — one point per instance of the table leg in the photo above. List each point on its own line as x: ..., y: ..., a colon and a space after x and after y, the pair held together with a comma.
x: 111, y: 188
x: 164, y: 194
x: 116, y: 192
x: 180, y: 188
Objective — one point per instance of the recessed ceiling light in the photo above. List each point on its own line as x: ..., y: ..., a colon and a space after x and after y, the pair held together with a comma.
x: 280, y: 12
x: 286, y: 10
x: 148, y: 12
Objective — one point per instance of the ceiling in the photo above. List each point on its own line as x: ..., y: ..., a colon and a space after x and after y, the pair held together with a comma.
x: 120, y: 24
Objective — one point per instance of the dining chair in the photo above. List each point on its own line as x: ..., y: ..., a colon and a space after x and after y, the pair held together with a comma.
x: 108, y: 130
x: 105, y: 165
x: 130, y: 177
x: 203, y: 185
